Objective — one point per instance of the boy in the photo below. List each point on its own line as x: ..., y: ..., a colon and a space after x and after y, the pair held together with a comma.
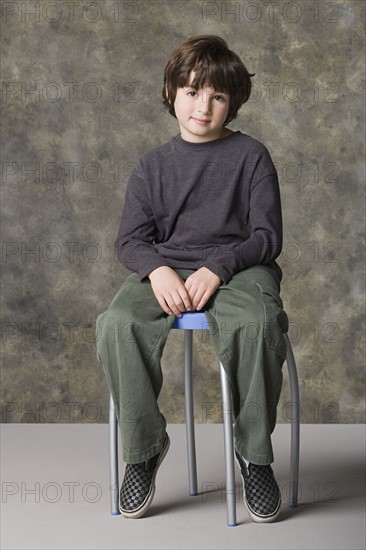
x: 201, y: 228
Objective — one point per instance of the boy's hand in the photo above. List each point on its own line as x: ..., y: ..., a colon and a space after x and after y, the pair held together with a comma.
x: 169, y: 290
x: 201, y: 285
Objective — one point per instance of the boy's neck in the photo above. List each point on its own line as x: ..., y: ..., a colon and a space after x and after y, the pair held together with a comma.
x: 224, y: 132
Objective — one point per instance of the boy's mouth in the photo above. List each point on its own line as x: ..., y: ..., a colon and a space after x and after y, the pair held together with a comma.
x: 200, y: 120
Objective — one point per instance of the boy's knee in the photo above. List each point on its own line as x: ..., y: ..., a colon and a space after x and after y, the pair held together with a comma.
x: 107, y: 324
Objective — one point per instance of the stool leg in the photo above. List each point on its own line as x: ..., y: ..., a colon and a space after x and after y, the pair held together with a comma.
x: 191, y: 445
x: 113, y: 458
x: 295, y: 425
x: 229, y: 449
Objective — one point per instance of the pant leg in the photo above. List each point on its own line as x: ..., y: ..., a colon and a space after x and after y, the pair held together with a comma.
x: 247, y: 322
x: 130, y: 337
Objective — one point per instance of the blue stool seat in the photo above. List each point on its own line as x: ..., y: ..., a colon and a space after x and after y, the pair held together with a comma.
x: 197, y: 321
x: 192, y: 321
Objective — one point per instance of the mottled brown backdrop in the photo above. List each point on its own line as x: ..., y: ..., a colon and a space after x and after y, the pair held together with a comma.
x: 81, y: 101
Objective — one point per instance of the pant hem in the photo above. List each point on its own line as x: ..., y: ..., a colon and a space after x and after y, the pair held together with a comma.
x: 141, y: 456
x: 255, y: 458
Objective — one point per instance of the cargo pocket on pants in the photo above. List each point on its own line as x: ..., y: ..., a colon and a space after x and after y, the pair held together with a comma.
x: 275, y: 320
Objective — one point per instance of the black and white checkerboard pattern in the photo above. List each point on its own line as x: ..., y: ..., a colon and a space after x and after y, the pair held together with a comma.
x: 261, y: 489
x: 139, y: 482
x: 136, y: 487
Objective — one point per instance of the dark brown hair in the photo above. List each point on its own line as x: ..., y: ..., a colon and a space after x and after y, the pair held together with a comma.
x: 214, y: 64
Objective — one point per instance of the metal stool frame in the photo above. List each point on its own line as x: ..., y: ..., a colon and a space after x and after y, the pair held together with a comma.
x: 197, y: 321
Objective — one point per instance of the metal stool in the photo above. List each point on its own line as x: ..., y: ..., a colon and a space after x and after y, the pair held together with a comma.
x: 197, y: 321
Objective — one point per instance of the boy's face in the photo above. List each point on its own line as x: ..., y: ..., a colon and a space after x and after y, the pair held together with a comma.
x: 201, y: 114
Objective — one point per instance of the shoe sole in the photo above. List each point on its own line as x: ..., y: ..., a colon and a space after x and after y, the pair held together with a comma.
x: 262, y: 519
x: 255, y: 517
x: 145, y: 505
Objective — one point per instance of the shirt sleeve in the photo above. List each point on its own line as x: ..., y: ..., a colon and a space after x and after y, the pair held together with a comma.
x: 264, y: 243
x: 137, y: 230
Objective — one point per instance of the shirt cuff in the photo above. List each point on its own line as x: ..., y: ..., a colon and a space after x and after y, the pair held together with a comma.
x: 219, y: 270
x: 143, y: 273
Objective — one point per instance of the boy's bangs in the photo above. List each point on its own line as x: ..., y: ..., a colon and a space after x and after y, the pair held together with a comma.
x: 212, y: 76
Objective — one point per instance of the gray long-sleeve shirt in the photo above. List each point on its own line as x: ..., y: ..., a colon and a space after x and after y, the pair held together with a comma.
x: 214, y: 204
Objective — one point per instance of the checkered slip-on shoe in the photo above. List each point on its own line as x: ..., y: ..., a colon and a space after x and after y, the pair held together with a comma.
x: 261, y: 493
x: 138, y: 486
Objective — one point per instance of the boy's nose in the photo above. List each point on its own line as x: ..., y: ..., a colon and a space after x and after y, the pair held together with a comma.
x: 205, y: 106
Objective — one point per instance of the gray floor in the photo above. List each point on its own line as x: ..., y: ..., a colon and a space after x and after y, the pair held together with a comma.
x: 55, y: 492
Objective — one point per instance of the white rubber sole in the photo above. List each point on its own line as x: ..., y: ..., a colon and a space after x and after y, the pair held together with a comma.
x: 262, y: 519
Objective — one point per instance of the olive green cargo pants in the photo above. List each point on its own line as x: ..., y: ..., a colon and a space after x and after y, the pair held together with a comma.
x: 246, y: 323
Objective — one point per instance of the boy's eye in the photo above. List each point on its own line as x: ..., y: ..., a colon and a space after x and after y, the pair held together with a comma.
x: 216, y: 96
